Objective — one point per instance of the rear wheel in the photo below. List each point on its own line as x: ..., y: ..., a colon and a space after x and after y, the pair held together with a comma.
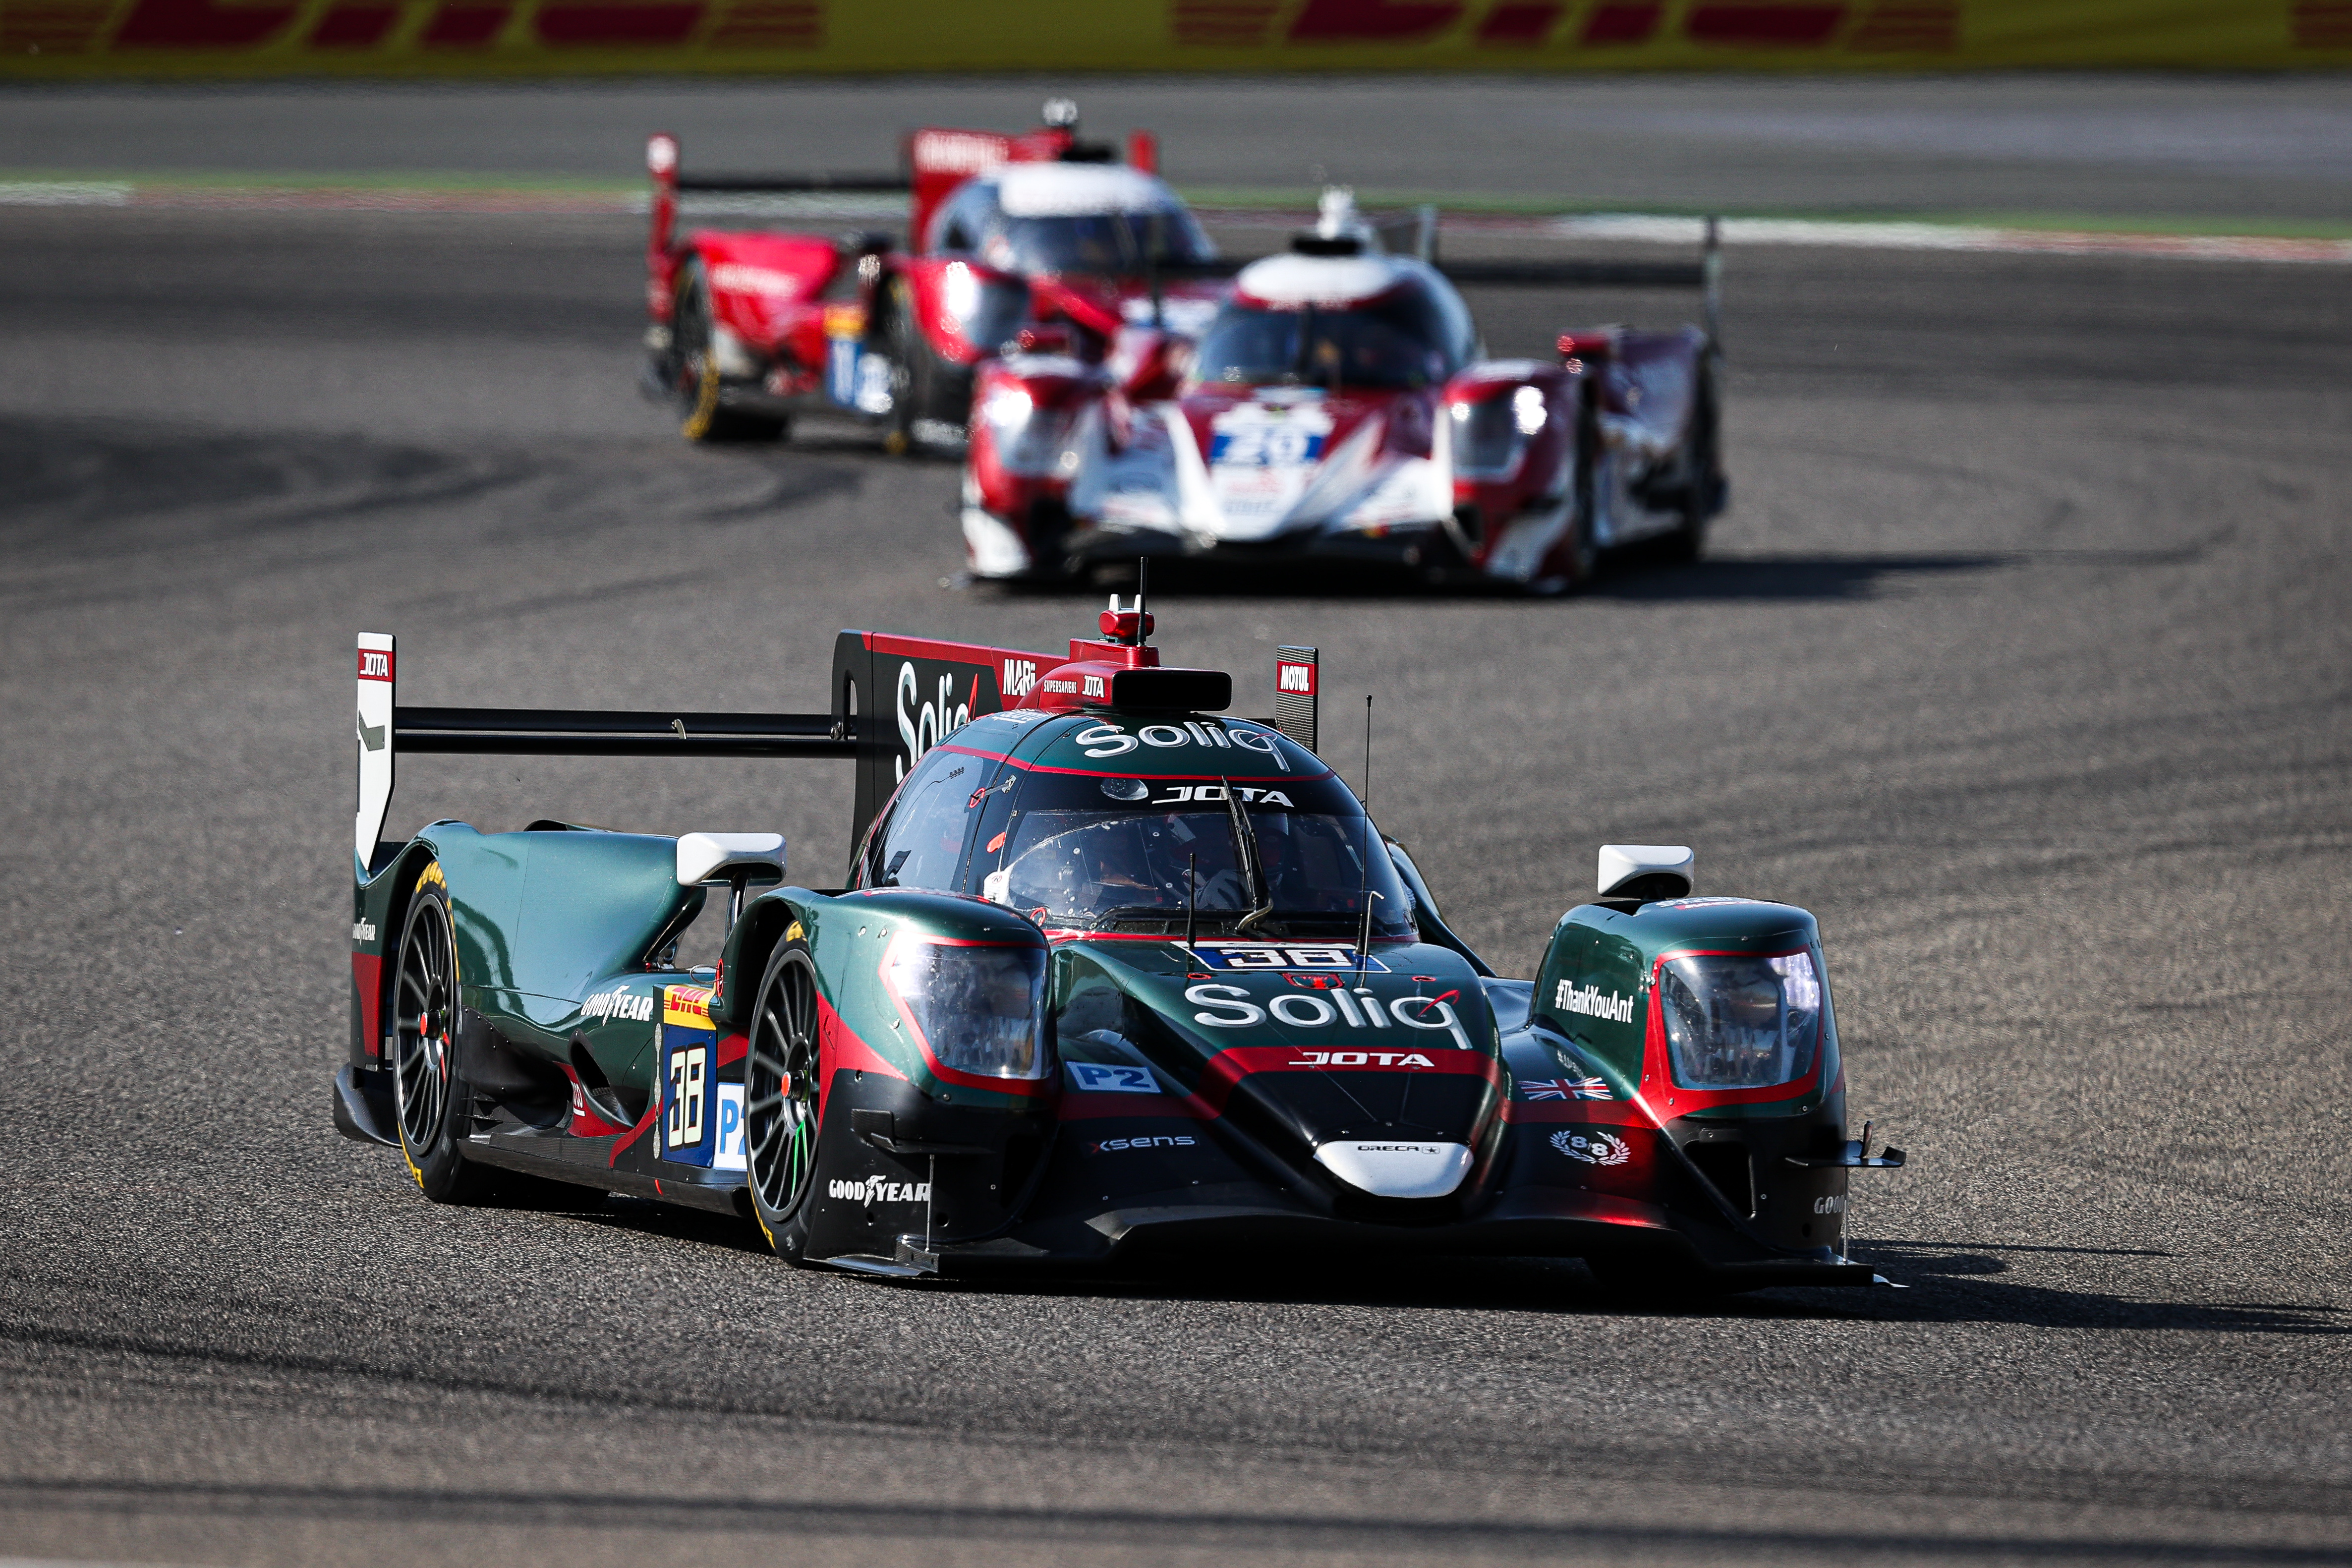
x: 697, y: 382
x: 902, y: 341
x: 780, y: 1102
x: 1578, y: 557
x: 433, y: 1102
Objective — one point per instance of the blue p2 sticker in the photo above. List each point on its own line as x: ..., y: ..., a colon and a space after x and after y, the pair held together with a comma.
x: 1102, y: 1078
x: 729, y: 1105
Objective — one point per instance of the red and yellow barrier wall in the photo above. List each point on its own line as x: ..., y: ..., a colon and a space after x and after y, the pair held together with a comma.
x: 68, y: 39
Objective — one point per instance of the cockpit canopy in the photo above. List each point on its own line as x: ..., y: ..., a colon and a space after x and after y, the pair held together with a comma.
x: 1380, y: 322
x: 1221, y: 824
x: 1069, y: 218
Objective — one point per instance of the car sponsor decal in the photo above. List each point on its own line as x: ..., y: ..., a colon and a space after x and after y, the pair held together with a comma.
x: 727, y: 1108
x: 375, y: 664
x: 1231, y: 1007
x: 876, y: 1190
x: 1565, y: 1089
x: 687, y: 1004
x: 741, y: 278
x: 619, y: 1006
x: 1112, y: 740
x: 1591, y: 1146
x: 1829, y: 1206
x: 364, y: 930
x: 1104, y: 1078
x: 1228, y: 1067
x: 1593, y: 1002
x: 1188, y: 795
x: 1155, y: 1140
x: 1271, y: 956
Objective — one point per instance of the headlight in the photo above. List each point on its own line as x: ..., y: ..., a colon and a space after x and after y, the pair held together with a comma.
x: 1031, y: 440
x: 984, y: 311
x: 1736, y: 1022
x: 1528, y: 410
x: 976, y: 1009
x: 1007, y: 407
x: 1488, y: 437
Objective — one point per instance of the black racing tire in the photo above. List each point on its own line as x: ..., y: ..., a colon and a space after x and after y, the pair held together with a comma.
x: 1580, y: 556
x: 909, y: 358
x: 1702, y: 459
x: 432, y: 1103
x: 694, y: 380
x: 780, y: 1102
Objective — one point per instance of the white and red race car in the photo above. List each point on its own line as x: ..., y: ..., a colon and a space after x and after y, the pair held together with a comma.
x: 1338, y: 406
x: 1034, y: 240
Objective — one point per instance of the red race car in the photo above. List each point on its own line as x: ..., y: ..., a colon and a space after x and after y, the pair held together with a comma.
x: 1038, y: 241
x: 1338, y: 407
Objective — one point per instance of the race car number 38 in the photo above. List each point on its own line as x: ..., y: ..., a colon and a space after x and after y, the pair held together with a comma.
x: 1283, y: 955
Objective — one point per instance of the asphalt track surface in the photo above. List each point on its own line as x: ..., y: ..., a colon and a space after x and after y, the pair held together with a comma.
x: 2022, y: 657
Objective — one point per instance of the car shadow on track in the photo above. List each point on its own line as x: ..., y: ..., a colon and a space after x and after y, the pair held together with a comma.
x: 1636, y: 576
x: 1943, y: 1283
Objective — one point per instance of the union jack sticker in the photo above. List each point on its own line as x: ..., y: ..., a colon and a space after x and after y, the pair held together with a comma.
x: 1565, y: 1089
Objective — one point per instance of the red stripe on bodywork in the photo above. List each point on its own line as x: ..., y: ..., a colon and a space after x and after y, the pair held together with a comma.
x: 840, y: 1048
x: 367, y: 974
x: 1227, y: 1068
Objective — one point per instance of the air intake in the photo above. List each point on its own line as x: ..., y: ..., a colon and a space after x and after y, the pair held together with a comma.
x: 1154, y: 690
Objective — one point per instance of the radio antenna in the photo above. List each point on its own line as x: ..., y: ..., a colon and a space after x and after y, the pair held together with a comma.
x: 1142, y: 590
x: 1191, y: 904
x: 1364, y: 894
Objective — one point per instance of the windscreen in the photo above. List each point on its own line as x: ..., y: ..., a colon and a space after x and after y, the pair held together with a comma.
x: 1125, y: 854
x: 1399, y: 341
x: 1118, y: 243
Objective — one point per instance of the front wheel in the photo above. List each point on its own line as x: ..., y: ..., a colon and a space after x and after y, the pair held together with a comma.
x: 1703, y: 494
x: 780, y: 1102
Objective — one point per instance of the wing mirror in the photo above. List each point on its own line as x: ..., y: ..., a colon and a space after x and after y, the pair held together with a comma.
x: 735, y: 859
x: 1645, y: 871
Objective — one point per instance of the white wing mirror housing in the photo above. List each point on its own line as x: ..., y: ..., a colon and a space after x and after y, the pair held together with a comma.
x: 1646, y: 872
x: 730, y: 858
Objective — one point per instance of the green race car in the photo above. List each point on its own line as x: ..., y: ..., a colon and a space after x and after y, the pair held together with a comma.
x: 1112, y: 973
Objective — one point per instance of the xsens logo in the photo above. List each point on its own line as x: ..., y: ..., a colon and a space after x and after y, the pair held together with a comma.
x: 1113, y: 1145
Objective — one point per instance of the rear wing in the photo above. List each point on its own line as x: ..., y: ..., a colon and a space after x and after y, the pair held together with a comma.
x: 893, y: 697
x: 933, y: 162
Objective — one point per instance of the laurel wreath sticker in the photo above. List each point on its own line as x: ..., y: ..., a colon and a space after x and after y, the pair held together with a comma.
x: 1593, y: 1149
